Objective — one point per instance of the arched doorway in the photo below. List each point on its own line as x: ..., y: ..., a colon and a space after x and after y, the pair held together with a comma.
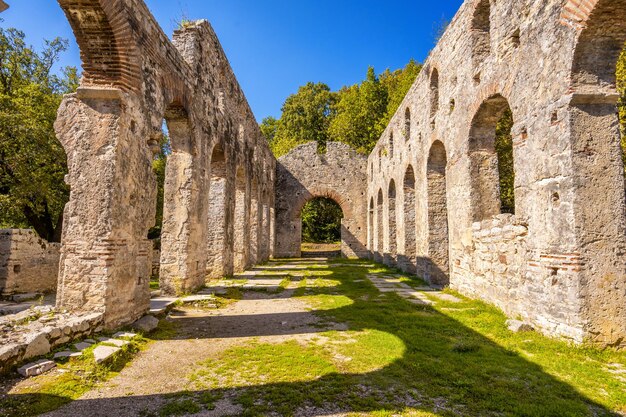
x: 391, y: 253
x: 491, y: 159
x: 437, y: 267
x: 321, y: 228
x: 407, y: 259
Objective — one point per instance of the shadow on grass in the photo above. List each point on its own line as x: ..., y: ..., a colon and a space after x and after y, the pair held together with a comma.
x: 445, y: 368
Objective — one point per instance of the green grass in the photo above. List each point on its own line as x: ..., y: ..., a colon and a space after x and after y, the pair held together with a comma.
x: 396, y: 358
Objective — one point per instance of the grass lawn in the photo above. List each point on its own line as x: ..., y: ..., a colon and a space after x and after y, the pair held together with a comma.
x: 396, y: 358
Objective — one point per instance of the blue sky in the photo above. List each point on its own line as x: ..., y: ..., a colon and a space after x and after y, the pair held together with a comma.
x: 275, y: 46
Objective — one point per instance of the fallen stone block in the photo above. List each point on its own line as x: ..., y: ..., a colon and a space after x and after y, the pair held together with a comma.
x: 103, y: 353
x: 518, y: 326
x: 82, y: 345
x: 146, y: 324
x: 38, y: 345
x: 20, y: 298
x: 36, y: 368
x: 116, y: 342
x: 67, y: 354
x: 127, y: 335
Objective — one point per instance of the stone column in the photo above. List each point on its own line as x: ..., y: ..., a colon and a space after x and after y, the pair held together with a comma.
x: 105, y: 257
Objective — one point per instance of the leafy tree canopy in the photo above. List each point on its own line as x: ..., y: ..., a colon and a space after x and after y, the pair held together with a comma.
x: 32, y: 161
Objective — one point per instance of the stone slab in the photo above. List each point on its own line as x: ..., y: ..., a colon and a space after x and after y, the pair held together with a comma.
x: 36, y: 368
x: 102, y: 353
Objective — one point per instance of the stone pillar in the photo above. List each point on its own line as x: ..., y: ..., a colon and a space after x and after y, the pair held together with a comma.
x: 183, y: 257
x: 105, y: 256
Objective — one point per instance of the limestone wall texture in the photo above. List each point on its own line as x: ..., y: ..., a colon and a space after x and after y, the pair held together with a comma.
x: 304, y: 174
x: 28, y: 263
x: 134, y: 78
x: 559, y: 261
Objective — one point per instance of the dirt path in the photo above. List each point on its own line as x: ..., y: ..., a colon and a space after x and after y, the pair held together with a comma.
x: 142, y: 387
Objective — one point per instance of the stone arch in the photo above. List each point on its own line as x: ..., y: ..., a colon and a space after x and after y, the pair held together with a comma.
x: 104, y: 35
x: 407, y: 256
x: 484, y: 158
x: 598, y: 169
x: 437, y: 265
x: 379, y: 254
x: 391, y: 232
x: 481, y: 32
x: 339, y: 174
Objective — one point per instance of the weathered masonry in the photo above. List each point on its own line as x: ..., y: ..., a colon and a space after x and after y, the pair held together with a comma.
x: 219, y: 187
x: 433, y: 193
x: 303, y: 174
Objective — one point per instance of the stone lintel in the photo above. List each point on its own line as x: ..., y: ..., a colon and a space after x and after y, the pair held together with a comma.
x: 98, y: 93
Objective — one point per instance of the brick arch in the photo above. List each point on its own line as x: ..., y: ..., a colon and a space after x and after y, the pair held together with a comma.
x: 107, y: 48
x: 339, y: 174
x: 576, y: 12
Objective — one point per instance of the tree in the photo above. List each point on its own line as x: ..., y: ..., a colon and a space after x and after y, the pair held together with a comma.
x: 305, y: 118
x: 358, y: 114
x: 268, y: 126
x: 33, y: 163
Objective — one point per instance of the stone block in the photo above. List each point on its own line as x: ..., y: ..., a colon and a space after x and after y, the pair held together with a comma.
x: 36, y: 368
x: 518, y: 326
x: 82, y: 346
x: 38, y: 345
x: 116, y: 342
x: 103, y: 353
x: 126, y: 335
x: 146, y: 324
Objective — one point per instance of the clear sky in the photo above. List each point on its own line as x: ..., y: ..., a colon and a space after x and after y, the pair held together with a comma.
x: 274, y: 46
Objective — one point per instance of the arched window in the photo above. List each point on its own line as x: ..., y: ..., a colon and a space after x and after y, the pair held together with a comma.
x: 434, y: 92
x: 407, y: 124
x: 391, y: 145
x: 481, y: 32
x: 436, y: 268
x: 491, y: 159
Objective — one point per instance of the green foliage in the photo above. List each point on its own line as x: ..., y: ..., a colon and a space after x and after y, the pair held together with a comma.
x: 306, y: 116
x: 321, y: 221
x: 32, y: 161
x: 356, y: 115
x: 504, y: 149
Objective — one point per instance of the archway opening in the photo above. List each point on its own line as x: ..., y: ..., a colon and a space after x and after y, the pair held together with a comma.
x: 481, y: 32
x: 321, y: 228
x: 407, y: 256
x: 392, y: 249
x: 491, y: 160
x: 434, y: 92
x: 436, y: 270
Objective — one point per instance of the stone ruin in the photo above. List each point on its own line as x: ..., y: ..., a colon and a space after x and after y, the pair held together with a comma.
x: 426, y: 200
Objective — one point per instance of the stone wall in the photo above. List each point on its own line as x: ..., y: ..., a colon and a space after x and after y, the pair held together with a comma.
x: 552, y: 63
x: 304, y: 174
x: 134, y: 79
x: 28, y: 263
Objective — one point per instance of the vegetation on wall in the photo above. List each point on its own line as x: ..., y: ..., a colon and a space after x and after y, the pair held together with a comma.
x: 33, y: 163
x: 506, y: 171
